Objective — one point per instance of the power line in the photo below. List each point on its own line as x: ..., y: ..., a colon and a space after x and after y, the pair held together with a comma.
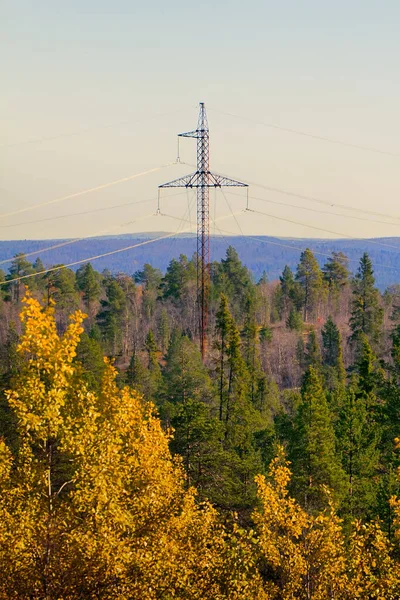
x: 299, y: 249
x: 87, y: 191
x: 308, y: 135
x: 312, y: 198
x: 88, y: 212
x: 96, y: 257
x: 87, y: 237
x: 316, y: 210
x: 323, y: 229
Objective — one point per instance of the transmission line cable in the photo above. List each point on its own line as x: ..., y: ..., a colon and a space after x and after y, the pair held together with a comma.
x: 316, y: 210
x: 299, y: 249
x: 323, y: 229
x: 309, y: 198
x: 96, y: 257
x: 75, y: 240
x: 307, y: 134
x: 87, y: 212
x: 87, y: 191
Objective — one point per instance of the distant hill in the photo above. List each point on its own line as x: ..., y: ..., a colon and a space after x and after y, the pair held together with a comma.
x: 271, y: 254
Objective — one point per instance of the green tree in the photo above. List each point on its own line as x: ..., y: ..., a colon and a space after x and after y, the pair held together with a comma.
x: 19, y: 268
x: 87, y: 282
x: 336, y: 271
x: 309, y: 276
x: 358, y: 443
x: 164, y: 331
x: 313, y: 449
x: 312, y: 351
x: 287, y: 290
x: 366, y: 311
x: 294, y: 320
x: 153, y: 366
x: 233, y: 279
x: 110, y: 318
x: 332, y: 355
x: 150, y: 279
x: 177, y: 276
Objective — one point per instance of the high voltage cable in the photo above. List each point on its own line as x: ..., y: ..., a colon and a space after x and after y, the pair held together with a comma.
x: 323, y: 229
x: 87, y: 191
x: 298, y: 249
x: 316, y: 210
x: 310, y: 198
x: 96, y: 257
x: 75, y: 240
x: 88, y: 212
x: 307, y: 134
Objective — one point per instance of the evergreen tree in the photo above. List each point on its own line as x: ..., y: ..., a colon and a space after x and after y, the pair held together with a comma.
x: 366, y: 311
x: 312, y: 352
x: 332, y: 355
x: 89, y: 353
x: 110, y: 317
x: 179, y: 273
x: 313, y: 451
x: 294, y: 320
x: 150, y: 279
x: 309, y: 276
x: 164, y: 330
x: 87, y: 282
x: 154, y: 379
x: 234, y: 280
x: 336, y: 271
x: 19, y: 268
x: 358, y: 443
x: 287, y: 286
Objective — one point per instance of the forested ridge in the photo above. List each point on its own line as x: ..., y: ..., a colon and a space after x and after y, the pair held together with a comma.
x: 270, y: 471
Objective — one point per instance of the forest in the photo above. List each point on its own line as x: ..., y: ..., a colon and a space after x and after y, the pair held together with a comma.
x: 130, y: 468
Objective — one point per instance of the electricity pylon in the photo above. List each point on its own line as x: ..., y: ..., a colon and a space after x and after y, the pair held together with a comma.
x: 202, y: 179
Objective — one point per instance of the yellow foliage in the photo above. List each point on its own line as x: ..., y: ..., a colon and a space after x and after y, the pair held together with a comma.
x: 93, y: 505
x: 305, y: 555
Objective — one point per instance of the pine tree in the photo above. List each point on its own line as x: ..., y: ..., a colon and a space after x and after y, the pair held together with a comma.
x: 87, y: 282
x: 332, y: 355
x: 164, y: 330
x: 287, y: 285
x: 294, y: 320
x: 336, y: 272
x: 150, y: 279
x: 313, y: 451
x: 366, y: 312
x: 312, y: 351
x: 19, y: 268
x: 154, y: 379
x: 309, y: 276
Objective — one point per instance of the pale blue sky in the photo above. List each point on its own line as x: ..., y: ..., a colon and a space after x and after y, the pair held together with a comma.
x: 331, y: 69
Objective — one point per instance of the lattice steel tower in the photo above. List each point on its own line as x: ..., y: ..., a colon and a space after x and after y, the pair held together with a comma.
x: 202, y: 179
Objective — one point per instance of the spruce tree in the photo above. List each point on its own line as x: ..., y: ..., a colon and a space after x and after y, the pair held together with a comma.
x: 358, y: 443
x: 312, y: 351
x: 309, y: 276
x: 332, y: 355
x: 287, y: 284
x: 313, y: 448
x: 336, y: 271
x: 366, y: 311
x: 87, y: 282
x: 153, y: 383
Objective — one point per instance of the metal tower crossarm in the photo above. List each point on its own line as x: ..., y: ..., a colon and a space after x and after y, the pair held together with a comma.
x: 203, y: 179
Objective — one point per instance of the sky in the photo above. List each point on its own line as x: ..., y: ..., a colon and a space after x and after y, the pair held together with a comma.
x: 95, y: 91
